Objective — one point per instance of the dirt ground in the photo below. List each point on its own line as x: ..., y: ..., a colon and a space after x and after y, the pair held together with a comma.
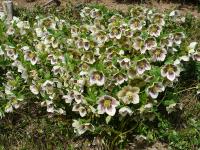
x: 113, y: 4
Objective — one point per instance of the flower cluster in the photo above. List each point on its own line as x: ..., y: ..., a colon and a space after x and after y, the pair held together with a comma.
x: 115, y: 66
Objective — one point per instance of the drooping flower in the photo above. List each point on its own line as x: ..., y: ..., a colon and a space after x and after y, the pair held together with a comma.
x: 107, y: 104
x: 85, y: 12
x: 11, y: 53
x: 196, y: 56
x: 81, y: 128
x: 100, y: 37
x: 129, y: 95
x: 166, y: 42
x: 30, y: 56
x: 128, y: 33
x: 176, y: 16
x: 154, y: 30
x: 95, y: 13
x: 142, y: 66
x: 88, y: 57
x: 191, y: 48
x: 48, y: 86
x: 125, y: 63
x: 111, y: 52
x: 97, y: 78
x: 84, y: 67
x: 138, y: 43
x: 124, y: 111
x: 170, y: 71
x: 155, y: 89
x: 150, y: 43
x: 137, y: 11
x: 74, y: 31
x: 178, y: 37
x: 135, y: 24
x: 132, y: 73
x: 48, y: 23
x: 53, y: 59
x: 115, y: 32
x: 57, y: 70
x: 115, y: 18
x: 158, y: 54
x: 80, y: 43
x: 34, y: 89
x: 79, y: 108
x: 86, y: 44
x: 119, y: 78
x: 158, y: 19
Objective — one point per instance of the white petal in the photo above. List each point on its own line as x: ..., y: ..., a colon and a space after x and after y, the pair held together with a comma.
x: 111, y: 111
x: 153, y: 95
x: 136, y: 99
x: 34, y: 89
x: 192, y: 46
x: 100, y: 109
x: 171, y: 77
x: 164, y: 74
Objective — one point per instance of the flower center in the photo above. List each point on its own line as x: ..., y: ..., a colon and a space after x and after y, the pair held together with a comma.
x: 97, y: 76
x: 129, y: 94
x: 157, y: 52
x: 31, y: 55
x: 107, y: 103
x: 170, y: 69
x: 136, y: 23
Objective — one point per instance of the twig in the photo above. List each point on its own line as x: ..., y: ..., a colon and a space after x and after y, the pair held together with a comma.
x: 191, y: 88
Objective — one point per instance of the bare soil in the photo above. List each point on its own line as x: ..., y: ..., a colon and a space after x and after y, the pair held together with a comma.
x: 113, y: 4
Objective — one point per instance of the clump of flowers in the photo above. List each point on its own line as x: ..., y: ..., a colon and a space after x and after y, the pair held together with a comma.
x: 105, y: 67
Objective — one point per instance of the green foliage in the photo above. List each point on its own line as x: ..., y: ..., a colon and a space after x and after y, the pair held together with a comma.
x: 104, y: 72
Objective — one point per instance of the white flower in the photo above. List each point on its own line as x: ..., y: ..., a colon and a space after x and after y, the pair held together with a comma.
x: 135, y: 24
x: 119, y: 78
x: 11, y: 53
x: 178, y: 37
x: 125, y: 111
x: 39, y: 32
x: 159, y: 54
x: 30, y: 56
x: 97, y: 78
x: 170, y: 71
x: 48, y: 86
x: 129, y: 95
x: 150, y: 43
x: 125, y: 63
x: 79, y: 108
x: 34, y: 89
x: 154, y: 30
x: 107, y: 104
x: 57, y: 70
x: 191, y: 47
x: 171, y: 108
x: 81, y: 128
x: 142, y: 66
x: 155, y: 89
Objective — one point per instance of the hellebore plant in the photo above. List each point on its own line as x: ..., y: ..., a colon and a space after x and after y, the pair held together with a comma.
x: 108, y: 66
